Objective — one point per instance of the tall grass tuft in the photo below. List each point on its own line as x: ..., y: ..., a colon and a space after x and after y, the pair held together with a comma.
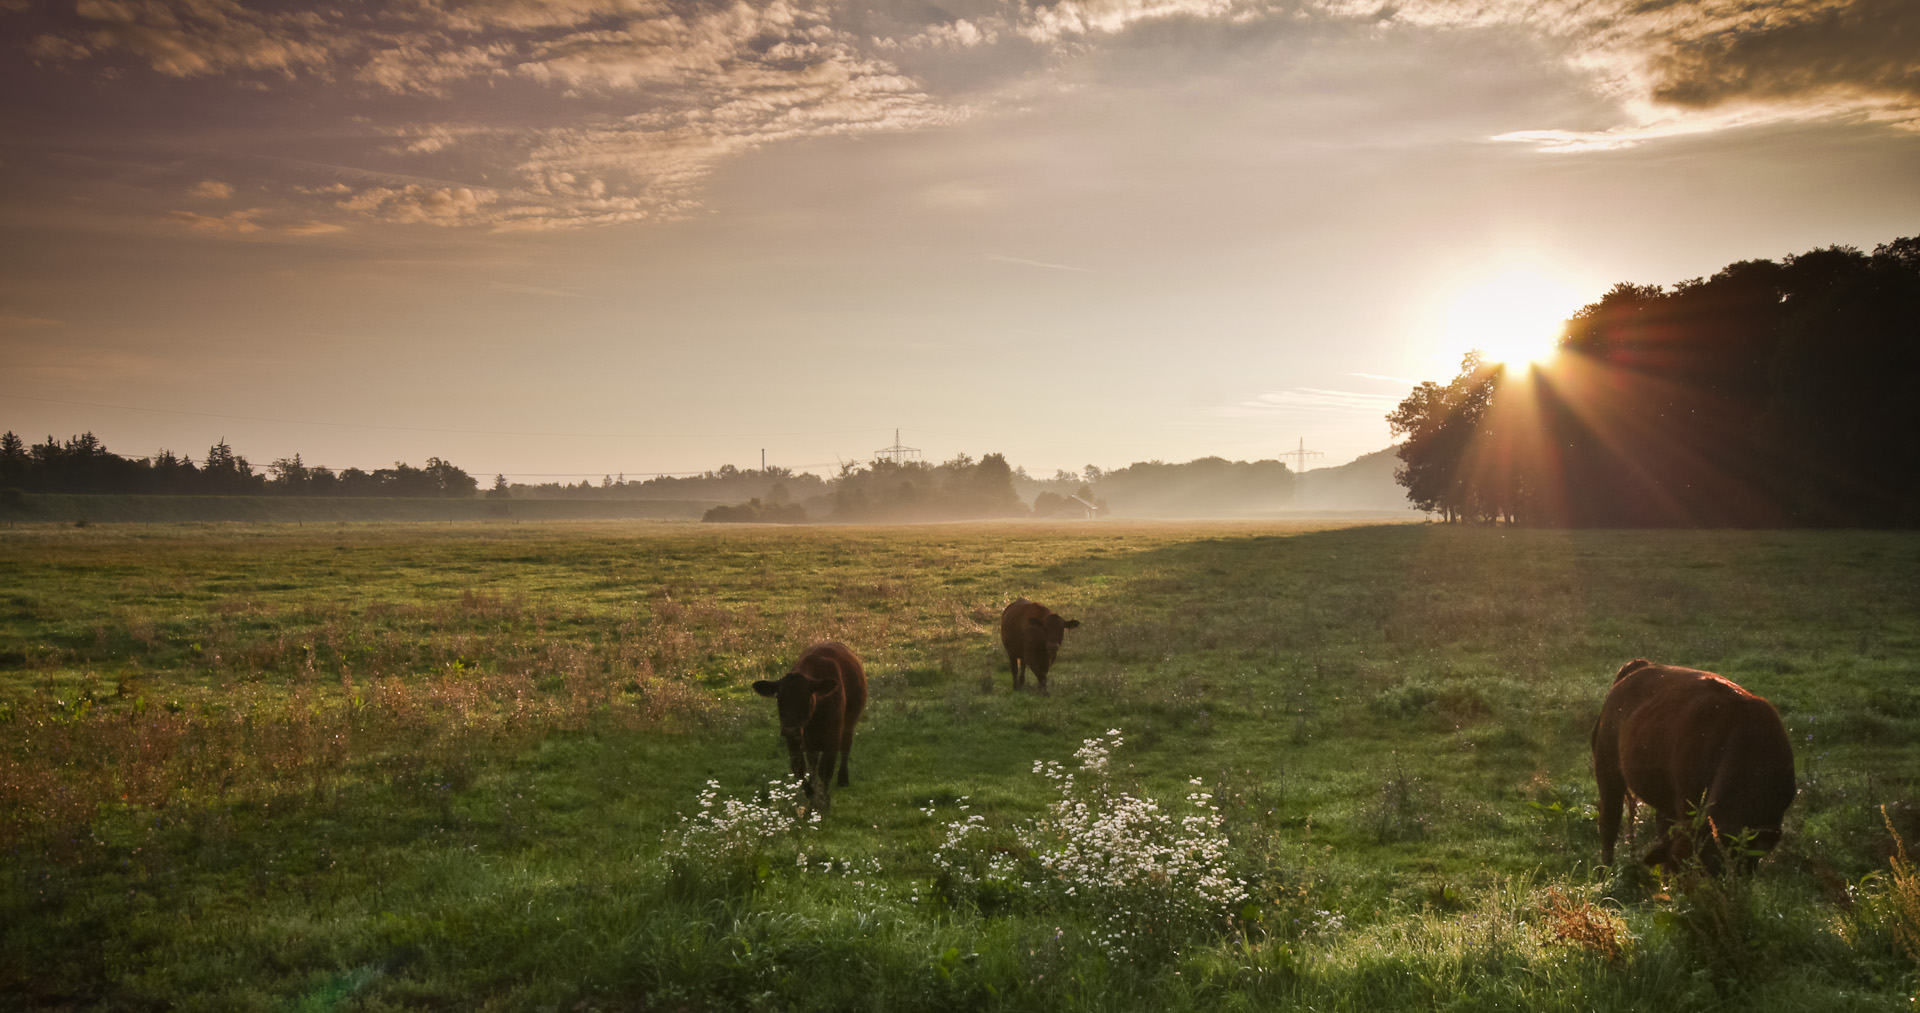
x: 1902, y: 895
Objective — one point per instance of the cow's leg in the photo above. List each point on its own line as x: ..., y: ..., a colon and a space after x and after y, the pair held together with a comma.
x: 846, y: 751
x: 825, y: 770
x: 797, y: 763
x: 1613, y: 792
x: 1019, y: 676
x: 1662, y: 852
x: 1041, y: 681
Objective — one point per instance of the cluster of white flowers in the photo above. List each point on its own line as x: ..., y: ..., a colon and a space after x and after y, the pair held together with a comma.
x: 846, y: 868
x: 959, y: 854
x: 1150, y: 871
x: 733, y: 827
x: 1127, y: 854
x: 1323, y: 922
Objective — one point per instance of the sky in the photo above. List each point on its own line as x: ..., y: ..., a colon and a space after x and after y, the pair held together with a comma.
x: 563, y: 239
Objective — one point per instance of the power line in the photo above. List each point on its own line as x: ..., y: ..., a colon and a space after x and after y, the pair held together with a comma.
x: 897, y: 453
x: 1299, y: 456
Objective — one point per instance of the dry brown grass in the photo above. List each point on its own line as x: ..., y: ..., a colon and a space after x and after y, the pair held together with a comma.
x: 64, y: 762
x: 1582, y: 924
x: 1903, y: 894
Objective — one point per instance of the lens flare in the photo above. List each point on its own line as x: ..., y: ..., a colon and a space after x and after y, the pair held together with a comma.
x: 1514, y: 317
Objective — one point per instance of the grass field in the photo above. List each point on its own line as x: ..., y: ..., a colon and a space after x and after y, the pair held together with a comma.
x: 54, y: 508
x: 429, y: 766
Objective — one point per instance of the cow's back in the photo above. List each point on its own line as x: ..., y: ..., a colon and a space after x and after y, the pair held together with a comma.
x: 836, y: 714
x: 1681, y: 735
x: 1014, y: 628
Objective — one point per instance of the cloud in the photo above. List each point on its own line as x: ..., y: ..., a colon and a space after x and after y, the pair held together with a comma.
x: 58, y: 48
x: 1033, y: 263
x: 415, y: 66
x: 191, y: 38
x: 415, y: 204
x: 640, y: 101
x: 1299, y: 401
x: 312, y: 228
x: 237, y: 223
x: 1681, y: 67
x: 519, y: 289
x: 1862, y: 49
x: 211, y: 188
x: 23, y: 322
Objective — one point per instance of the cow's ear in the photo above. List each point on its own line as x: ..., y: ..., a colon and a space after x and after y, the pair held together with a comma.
x: 1036, y: 621
x: 1073, y: 624
x: 765, y: 688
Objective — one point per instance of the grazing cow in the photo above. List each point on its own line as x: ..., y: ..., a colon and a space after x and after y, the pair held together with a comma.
x: 820, y: 701
x: 1701, y: 751
x: 1031, y: 633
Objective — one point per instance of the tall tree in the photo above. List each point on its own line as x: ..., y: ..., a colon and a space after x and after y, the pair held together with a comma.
x: 13, y: 460
x: 1442, y: 424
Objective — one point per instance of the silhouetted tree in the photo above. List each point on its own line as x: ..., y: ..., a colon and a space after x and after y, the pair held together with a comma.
x: 1441, y: 424
x: 290, y: 475
x: 225, y: 473
x: 13, y: 460
x: 1768, y: 393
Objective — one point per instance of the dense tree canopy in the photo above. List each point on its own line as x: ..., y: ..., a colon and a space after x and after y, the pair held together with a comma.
x: 962, y: 488
x: 1769, y: 393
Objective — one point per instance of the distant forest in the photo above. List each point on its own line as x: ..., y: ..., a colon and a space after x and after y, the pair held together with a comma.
x: 773, y: 483
x: 880, y: 491
x: 1770, y: 394
x: 82, y: 464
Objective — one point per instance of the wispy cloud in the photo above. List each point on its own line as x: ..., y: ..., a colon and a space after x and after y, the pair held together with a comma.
x: 237, y: 223
x: 1308, y: 401
x: 24, y: 322
x: 521, y: 289
x: 1388, y: 379
x: 312, y: 228
x: 1023, y: 262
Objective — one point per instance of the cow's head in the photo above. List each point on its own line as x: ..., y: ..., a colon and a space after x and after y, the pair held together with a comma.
x: 798, y: 694
x: 1044, y: 636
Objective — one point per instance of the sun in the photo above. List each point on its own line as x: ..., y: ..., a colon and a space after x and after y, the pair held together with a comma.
x: 1515, y: 316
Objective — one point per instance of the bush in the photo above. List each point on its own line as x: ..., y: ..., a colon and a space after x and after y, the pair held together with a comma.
x: 1149, y: 879
x: 733, y: 844
x: 755, y: 512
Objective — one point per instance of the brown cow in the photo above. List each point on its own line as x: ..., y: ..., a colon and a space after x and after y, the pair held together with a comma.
x: 1031, y: 633
x: 820, y: 701
x: 1691, y: 744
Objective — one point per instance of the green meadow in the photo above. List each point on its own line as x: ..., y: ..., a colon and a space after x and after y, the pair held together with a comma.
x: 491, y: 765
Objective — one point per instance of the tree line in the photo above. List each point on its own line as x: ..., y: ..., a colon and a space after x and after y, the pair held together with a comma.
x: 1770, y: 394
x: 878, y: 491
x: 773, y: 483
x: 83, y: 464
x: 885, y: 490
